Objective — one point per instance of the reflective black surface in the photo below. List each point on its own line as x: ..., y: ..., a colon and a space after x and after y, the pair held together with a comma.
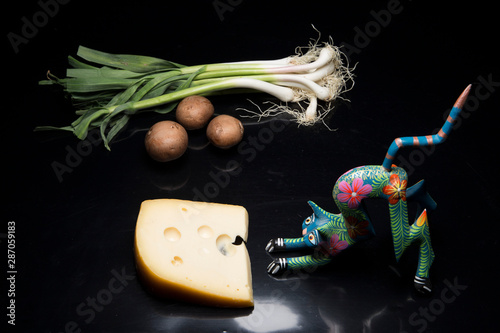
x: 75, y: 206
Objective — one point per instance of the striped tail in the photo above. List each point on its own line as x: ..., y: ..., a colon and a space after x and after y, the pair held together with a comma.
x: 427, y: 140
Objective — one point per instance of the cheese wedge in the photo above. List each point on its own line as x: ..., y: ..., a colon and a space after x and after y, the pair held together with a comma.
x: 184, y: 250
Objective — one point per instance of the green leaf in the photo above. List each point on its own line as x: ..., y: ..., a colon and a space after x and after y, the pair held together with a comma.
x: 191, y: 77
x: 106, y: 121
x: 162, y: 88
x: 166, y: 109
x: 125, y: 95
x: 104, y: 72
x: 51, y: 128
x: 82, y: 124
x: 78, y: 64
x: 134, y: 63
x: 166, y: 77
x: 91, y: 99
x: 117, y: 127
x: 91, y: 84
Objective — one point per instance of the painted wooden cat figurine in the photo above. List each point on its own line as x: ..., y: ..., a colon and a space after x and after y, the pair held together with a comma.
x: 331, y: 233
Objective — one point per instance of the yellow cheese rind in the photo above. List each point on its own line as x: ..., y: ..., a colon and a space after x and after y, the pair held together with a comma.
x: 184, y: 251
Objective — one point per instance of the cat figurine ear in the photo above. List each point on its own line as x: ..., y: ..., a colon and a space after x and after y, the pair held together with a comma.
x: 319, y: 217
x: 315, y: 208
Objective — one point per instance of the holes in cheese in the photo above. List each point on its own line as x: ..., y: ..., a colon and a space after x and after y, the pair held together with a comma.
x: 172, y: 234
x: 194, y: 252
x: 177, y: 261
x: 205, y: 231
x: 225, y: 246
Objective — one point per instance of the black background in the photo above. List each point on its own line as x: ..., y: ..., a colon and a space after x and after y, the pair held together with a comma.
x: 74, y: 234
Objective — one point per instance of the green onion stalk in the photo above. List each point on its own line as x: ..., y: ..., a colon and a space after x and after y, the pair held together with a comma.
x: 107, y: 89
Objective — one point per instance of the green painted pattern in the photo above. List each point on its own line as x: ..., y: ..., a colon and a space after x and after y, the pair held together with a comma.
x: 382, y: 186
x: 399, y: 226
x: 307, y: 262
x: 421, y: 234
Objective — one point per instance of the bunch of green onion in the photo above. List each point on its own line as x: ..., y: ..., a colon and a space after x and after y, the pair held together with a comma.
x: 108, y: 88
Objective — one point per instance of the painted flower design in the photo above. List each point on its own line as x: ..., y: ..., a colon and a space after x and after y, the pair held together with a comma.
x: 354, y: 193
x: 396, y: 189
x: 355, y: 227
x: 334, y: 246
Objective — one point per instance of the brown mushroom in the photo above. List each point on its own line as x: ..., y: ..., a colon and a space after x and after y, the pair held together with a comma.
x: 166, y: 141
x: 194, y: 112
x: 225, y: 131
